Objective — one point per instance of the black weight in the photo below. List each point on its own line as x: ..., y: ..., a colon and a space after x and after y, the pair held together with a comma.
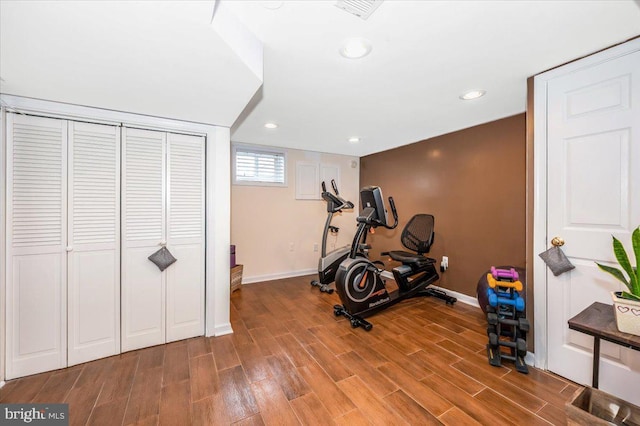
x: 493, y: 339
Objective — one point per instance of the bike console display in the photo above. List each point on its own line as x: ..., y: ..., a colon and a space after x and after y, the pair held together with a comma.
x: 373, y: 205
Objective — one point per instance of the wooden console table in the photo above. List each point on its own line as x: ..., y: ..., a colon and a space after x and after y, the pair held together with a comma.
x: 598, y: 321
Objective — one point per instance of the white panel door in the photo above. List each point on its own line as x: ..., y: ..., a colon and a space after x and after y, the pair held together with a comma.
x: 185, y: 227
x: 93, y: 244
x: 36, y: 233
x: 143, y: 233
x: 593, y: 193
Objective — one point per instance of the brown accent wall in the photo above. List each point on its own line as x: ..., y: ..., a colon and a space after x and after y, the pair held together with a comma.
x: 474, y: 182
x: 530, y: 210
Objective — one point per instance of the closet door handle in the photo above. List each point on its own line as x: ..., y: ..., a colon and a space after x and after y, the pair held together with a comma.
x: 162, y: 243
x: 69, y: 248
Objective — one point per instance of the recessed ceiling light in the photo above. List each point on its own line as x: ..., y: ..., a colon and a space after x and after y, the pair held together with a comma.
x: 355, y: 48
x: 354, y: 139
x: 472, y: 94
x: 270, y: 125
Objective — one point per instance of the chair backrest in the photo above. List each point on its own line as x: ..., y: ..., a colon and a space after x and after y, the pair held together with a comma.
x: 418, y: 234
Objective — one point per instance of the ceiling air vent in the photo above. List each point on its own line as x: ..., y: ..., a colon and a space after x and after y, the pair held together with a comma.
x: 361, y: 8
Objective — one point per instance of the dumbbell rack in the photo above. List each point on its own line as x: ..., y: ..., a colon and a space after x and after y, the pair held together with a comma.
x: 508, y: 326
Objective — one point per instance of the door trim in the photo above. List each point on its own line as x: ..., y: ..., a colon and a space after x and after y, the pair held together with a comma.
x: 540, y: 84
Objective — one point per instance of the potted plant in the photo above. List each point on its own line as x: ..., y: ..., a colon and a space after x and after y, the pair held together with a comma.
x: 627, y: 303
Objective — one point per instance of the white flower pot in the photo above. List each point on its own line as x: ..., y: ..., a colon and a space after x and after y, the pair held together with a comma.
x: 627, y: 314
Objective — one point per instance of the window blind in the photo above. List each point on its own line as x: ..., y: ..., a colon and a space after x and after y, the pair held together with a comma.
x: 259, y: 166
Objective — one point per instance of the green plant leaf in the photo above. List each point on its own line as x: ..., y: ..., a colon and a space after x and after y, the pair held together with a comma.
x: 635, y: 242
x: 615, y: 272
x: 627, y: 295
x: 623, y: 260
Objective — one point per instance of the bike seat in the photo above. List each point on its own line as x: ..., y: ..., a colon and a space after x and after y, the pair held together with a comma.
x: 408, y: 258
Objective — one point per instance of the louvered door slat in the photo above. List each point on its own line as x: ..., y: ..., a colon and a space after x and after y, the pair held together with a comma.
x: 37, y: 160
x: 185, y: 279
x: 36, y: 231
x: 92, y: 152
x: 186, y: 186
x: 94, y: 240
x: 143, y: 225
x: 144, y: 180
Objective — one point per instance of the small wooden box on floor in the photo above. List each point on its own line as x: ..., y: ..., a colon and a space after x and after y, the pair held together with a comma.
x: 236, y: 277
x: 591, y: 406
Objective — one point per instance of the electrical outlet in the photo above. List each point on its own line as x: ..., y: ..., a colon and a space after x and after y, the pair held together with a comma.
x: 291, y: 246
x: 315, y: 246
x: 444, y: 265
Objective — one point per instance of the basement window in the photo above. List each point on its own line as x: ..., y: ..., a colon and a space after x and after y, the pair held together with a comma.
x: 259, y: 166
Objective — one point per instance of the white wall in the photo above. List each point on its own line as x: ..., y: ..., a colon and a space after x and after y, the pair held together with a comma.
x: 265, y: 221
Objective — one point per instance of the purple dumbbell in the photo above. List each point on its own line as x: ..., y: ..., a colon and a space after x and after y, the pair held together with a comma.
x: 502, y: 274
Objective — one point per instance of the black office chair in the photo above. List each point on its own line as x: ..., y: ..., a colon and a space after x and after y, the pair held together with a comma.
x: 417, y: 236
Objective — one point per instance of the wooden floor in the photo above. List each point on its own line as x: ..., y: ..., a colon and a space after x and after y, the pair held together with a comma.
x: 290, y: 361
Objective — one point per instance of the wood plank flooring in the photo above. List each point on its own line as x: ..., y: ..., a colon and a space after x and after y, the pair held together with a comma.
x: 290, y: 362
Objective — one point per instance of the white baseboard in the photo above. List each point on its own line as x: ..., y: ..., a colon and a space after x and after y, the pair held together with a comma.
x: 1, y: 383
x: 277, y: 276
x: 221, y: 330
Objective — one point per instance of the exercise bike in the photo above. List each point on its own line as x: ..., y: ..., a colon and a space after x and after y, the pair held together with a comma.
x: 329, y: 262
x: 359, y: 281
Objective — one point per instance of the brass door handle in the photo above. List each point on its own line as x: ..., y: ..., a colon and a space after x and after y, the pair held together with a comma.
x: 557, y: 242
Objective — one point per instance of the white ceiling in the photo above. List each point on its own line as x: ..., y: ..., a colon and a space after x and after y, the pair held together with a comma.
x: 165, y: 59
x: 425, y: 54
x: 161, y: 58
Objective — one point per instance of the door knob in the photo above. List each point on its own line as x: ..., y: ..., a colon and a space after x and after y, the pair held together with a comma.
x: 557, y: 242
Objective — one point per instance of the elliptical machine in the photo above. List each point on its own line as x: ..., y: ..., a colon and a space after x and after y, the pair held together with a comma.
x: 359, y: 282
x: 329, y: 262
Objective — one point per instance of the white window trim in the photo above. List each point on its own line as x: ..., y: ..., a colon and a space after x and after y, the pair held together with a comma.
x: 265, y: 149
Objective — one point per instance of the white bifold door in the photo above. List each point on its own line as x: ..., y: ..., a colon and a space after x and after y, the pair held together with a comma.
x: 162, y: 206
x: 63, y: 243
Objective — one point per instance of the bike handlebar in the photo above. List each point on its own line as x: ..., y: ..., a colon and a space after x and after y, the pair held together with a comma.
x: 378, y: 222
x: 394, y: 212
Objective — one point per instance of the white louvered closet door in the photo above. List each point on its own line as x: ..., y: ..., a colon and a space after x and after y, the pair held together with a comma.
x: 185, y: 228
x: 36, y: 234
x: 143, y: 232
x: 93, y: 243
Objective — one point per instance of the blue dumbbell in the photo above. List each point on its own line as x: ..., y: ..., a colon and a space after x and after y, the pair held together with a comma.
x: 495, y: 300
